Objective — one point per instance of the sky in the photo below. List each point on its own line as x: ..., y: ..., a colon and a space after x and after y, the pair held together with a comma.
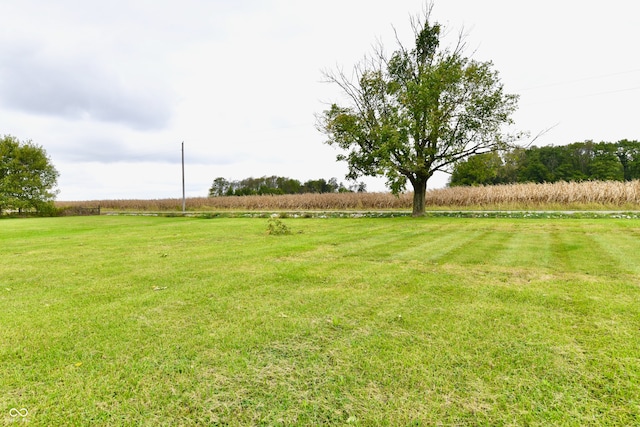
x: 111, y: 89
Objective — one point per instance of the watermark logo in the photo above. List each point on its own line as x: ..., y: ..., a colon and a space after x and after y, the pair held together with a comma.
x: 22, y: 412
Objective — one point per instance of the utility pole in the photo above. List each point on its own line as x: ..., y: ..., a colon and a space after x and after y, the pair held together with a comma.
x: 183, y: 196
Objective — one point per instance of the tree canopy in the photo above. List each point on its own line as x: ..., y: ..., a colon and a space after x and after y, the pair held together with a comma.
x: 417, y: 111
x: 278, y: 185
x: 27, y: 176
x: 578, y: 161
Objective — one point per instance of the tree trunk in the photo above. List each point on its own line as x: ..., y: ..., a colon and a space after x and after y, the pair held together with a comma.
x: 419, y: 195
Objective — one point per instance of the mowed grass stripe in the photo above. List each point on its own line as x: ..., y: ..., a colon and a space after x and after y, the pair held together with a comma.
x: 621, y: 248
x: 179, y: 321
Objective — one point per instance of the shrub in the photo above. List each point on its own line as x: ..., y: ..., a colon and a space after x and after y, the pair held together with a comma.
x: 275, y: 227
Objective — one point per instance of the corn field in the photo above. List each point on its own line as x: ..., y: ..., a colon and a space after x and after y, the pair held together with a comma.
x: 560, y: 195
x: 531, y: 195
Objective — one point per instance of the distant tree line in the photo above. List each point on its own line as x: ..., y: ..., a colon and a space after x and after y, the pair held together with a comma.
x: 580, y: 161
x: 279, y: 185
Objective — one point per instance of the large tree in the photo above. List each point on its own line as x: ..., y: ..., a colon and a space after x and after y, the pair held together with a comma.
x: 27, y: 176
x: 417, y: 111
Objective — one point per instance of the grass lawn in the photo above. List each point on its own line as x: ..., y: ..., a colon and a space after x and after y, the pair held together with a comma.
x: 368, y: 321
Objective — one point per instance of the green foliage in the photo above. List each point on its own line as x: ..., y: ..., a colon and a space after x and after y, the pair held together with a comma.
x: 275, y: 227
x: 416, y: 112
x: 482, y: 168
x: 278, y: 185
x: 573, y: 162
x: 27, y: 176
x: 629, y: 155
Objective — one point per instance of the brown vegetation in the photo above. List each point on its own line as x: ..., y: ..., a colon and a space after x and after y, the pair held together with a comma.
x: 560, y: 195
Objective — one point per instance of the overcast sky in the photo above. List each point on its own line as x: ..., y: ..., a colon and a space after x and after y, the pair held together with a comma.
x: 111, y: 88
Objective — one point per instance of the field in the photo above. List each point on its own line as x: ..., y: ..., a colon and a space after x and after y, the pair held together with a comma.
x: 122, y: 320
x: 590, y: 195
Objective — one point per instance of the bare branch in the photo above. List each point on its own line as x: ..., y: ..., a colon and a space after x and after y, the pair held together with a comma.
x: 539, y: 134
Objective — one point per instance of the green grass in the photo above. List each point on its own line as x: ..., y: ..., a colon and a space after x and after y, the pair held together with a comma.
x: 368, y: 321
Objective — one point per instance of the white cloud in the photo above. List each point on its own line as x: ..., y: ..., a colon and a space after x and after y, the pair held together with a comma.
x: 81, y: 88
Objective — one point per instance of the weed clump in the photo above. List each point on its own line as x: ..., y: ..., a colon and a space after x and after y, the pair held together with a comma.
x: 275, y: 227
